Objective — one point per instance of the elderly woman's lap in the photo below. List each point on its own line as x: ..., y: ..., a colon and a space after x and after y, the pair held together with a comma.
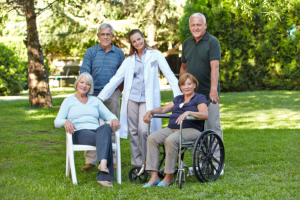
x: 170, y: 139
x: 101, y: 138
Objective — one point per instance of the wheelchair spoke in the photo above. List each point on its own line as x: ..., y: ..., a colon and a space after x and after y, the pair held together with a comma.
x: 212, y: 170
x: 207, y: 170
x: 211, y: 143
x: 216, y: 145
x: 216, y: 151
x: 212, y: 166
x: 203, y: 166
x: 216, y: 160
x: 203, y: 151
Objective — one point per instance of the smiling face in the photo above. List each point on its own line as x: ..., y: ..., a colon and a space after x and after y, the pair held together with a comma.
x: 188, y: 87
x: 197, y: 27
x: 83, y: 86
x: 105, y: 37
x: 138, y: 42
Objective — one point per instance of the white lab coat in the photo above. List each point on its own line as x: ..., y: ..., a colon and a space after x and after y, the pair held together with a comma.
x: 153, y: 62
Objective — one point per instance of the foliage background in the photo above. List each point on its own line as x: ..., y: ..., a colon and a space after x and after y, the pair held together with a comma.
x: 13, y: 71
x: 257, y: 53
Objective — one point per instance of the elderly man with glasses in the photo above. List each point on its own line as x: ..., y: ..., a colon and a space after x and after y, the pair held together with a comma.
x: 102, y: 61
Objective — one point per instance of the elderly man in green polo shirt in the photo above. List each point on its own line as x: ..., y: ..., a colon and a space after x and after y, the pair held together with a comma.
x: 201, y: 55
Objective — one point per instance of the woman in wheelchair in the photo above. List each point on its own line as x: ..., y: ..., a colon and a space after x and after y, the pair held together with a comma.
x: 188, y: 104
x: 79, y: 115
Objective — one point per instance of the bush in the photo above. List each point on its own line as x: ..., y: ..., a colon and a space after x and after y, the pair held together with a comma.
x: 257, y: 53
x: 13, y: 72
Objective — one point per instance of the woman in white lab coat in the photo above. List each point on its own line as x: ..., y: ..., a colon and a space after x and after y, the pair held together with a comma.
x: 141, y: 92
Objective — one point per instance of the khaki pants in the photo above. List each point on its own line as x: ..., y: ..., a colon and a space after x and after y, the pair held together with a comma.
x: 137, y: 129
x: 113, y: 105
x: 169, y: 138
x: 213, y: 121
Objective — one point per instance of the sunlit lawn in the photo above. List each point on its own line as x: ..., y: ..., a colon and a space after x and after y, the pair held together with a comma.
x: 261, y: 137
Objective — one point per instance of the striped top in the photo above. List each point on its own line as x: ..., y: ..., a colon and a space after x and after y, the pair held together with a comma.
x: 101, y: 65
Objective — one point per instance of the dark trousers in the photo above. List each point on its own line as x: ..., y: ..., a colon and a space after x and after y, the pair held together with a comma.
x: 101, y: 138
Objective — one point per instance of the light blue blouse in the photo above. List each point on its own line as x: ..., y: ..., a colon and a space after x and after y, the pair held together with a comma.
x: 83, y: 116
x: 137, y: 92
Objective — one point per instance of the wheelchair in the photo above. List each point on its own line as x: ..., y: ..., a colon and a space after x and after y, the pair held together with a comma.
x: 208, y: 156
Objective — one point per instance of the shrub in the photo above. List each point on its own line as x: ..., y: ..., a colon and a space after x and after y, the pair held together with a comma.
x: 12, y: 72
x: 257, y: 53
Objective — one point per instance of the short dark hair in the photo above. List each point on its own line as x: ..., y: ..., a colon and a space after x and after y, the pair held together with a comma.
x: 185, y: 76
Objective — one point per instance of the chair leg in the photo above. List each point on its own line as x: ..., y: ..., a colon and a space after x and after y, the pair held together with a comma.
x: 72, y: 164
x: 118, y: 155
x: 67, y: 162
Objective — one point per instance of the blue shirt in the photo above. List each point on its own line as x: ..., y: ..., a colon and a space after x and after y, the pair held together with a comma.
x: 101, y: 65
x: 137, y: 92
x: 190, y: 106
x: 83, y: 116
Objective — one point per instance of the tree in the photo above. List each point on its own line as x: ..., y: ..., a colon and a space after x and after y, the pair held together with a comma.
x: 69, y: 27
x: 39, y: 93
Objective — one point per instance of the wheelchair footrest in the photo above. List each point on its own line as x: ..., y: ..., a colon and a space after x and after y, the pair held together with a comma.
x: 187, y: 143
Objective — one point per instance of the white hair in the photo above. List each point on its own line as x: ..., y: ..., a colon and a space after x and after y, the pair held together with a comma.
x: 105, y: 25
x: 198, y: 15
x: 89, y: 79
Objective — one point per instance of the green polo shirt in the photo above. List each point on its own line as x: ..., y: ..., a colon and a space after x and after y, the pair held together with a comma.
x: 197, y: 56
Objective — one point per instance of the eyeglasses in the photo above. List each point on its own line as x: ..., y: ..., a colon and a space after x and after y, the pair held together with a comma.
x: 105, y: 34
x: 181, y: 105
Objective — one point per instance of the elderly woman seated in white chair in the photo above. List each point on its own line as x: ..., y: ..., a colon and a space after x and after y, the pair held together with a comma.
x: 79, y: 114
x: 188, y: 104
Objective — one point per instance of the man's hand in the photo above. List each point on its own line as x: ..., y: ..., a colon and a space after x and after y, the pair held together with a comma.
x: 115, y: 124
x: 69, y: 127
x: 214, y: 96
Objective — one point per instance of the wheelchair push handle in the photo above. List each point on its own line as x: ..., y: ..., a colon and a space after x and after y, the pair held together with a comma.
x: 208, y: 102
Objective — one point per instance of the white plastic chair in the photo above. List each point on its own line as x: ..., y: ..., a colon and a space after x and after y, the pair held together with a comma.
x: 70, y: 148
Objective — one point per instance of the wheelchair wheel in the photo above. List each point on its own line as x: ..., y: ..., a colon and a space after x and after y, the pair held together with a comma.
x: 161, y: 164
x: 133, y: 175
x: 180, y: 179
x: 208, y: 156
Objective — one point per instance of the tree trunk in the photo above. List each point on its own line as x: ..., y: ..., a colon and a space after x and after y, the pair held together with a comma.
x: 39, y: 93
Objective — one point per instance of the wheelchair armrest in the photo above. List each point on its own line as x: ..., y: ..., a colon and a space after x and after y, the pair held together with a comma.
x: 191, y: 118
x: 168, y: 116
x: 161, y: 115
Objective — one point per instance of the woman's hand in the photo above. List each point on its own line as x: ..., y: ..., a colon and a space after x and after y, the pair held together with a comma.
x: 115, y: 124
x: 69, y: 127
x: 182, y: 117
x: 147, y: 117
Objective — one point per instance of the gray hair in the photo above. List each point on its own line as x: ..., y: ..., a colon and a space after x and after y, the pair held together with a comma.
x: 198, y: 15
x: 105, y: 25
x: 89, y: 79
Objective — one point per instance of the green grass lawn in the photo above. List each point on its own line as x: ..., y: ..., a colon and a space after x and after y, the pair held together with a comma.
x: 261, y: 137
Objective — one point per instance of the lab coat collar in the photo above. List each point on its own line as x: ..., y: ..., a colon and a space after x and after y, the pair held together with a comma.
x: 148, y: 55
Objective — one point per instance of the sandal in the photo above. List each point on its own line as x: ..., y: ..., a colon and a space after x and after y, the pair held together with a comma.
x: 106, y: 184
x: 103, y: 170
